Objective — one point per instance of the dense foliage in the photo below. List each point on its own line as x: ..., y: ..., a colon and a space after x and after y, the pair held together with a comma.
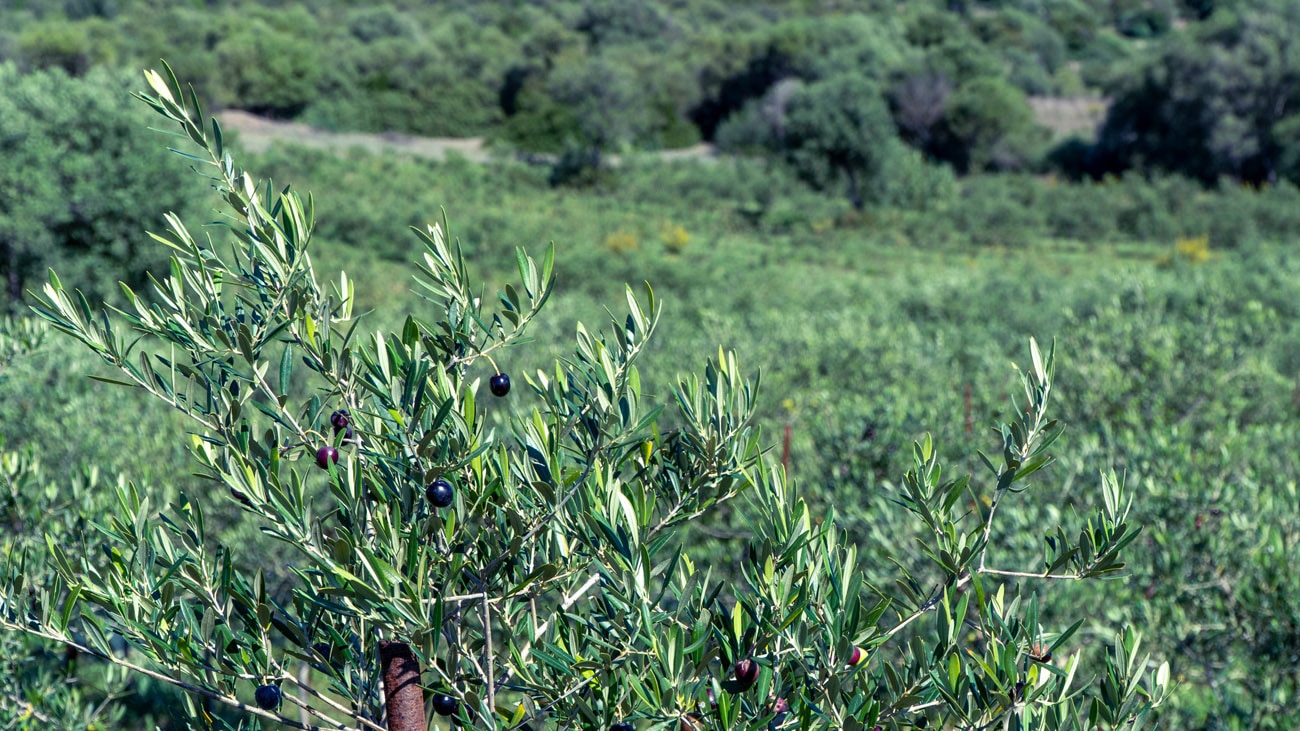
x: 80, y: 179
x: 1204, y: 88
x: 858, y: 366
x: 1220, y: 100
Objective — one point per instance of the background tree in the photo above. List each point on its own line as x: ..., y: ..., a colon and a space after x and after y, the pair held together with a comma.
x: 393, y: 71
x: 839, y: 132
x: 606, y: 102
x: 988, y: 125
x: 81, y: 177
x: 1214, y: 103
x: 73, y: 47
x: 272, y: 67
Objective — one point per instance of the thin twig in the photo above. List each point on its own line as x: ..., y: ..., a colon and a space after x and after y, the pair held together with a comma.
x: 189, y: 687
x: 31, y: 709
x: 1028, y: 575
x: 488, y: 657
x: 568, y: 601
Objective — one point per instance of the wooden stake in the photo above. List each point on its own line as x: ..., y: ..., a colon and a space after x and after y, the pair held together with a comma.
x: 403, y: 696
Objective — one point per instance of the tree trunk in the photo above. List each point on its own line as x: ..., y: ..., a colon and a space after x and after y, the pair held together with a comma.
x: 855, y: 195
x: 403, y: 696
x: 15, y: 281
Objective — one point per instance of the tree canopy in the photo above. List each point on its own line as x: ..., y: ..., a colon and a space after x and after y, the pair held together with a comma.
x: 81, y: 181
x: 1221, y: 101
x: 838, y: 131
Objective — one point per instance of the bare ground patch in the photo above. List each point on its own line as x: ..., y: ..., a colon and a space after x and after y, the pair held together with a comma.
x: 1072, y: 115
x: 257, y: 134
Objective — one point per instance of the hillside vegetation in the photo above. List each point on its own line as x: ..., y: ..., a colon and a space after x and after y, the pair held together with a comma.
x: 1200, y: 87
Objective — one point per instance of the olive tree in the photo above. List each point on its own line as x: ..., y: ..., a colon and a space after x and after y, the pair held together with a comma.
x: 519, y: 559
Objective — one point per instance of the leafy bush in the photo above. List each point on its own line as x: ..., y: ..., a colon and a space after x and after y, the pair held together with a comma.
x: 440, y: 78
x: 1143, y: 18
x: 1201, y: 109
x: 508, y: 71
x: 1143, y: 213
x: 604, y: 97
x: 1074, y: 20
x: 1014, y: 29
x: 748, y: 131
x: 271, y: 68
x: 80, y: 181
x: 1000, y: 211
x: 1080, y: 211
x: 40, y: 680
x: 74, y: 48
x: 991, y: 127
x: 838, y: 133
x: 961, y: 59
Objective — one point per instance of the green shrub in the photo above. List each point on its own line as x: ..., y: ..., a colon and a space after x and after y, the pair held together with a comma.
x: 1142, y: 212
x: 1208, y: 429
x: 271, y: 67
x: 1013, y: 29
x: 80, y: 182
x: 1074, y: 20
x: 1081, y: 211
x: 1028, y: 74
x: 962, y: 59
x: 73, y: 47
x: 747, y: 131
x: 605, y: 100
x: 1189, y: 109
x: 1000, y: 210
x: 1277, y: 211
x: 991, y: 127
x: 1143, y: 18
x: 838, y: 134
x: 916, y: 185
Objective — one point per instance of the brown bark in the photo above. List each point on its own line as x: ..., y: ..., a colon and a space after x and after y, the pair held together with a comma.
x: 15, y: 282
x: 970, y: 422
x: 403, y: 696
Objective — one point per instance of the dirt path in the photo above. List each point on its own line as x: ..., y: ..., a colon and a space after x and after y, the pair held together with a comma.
x: 1064, y: 116
x: 258, y: 133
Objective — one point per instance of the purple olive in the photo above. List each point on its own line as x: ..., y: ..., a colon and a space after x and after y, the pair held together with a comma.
x: 267, y: 697
x: 439, y: 493
x: 746, y: 673
x: 500, y: 384
x: 340, y: 419
x: 445, y: 705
